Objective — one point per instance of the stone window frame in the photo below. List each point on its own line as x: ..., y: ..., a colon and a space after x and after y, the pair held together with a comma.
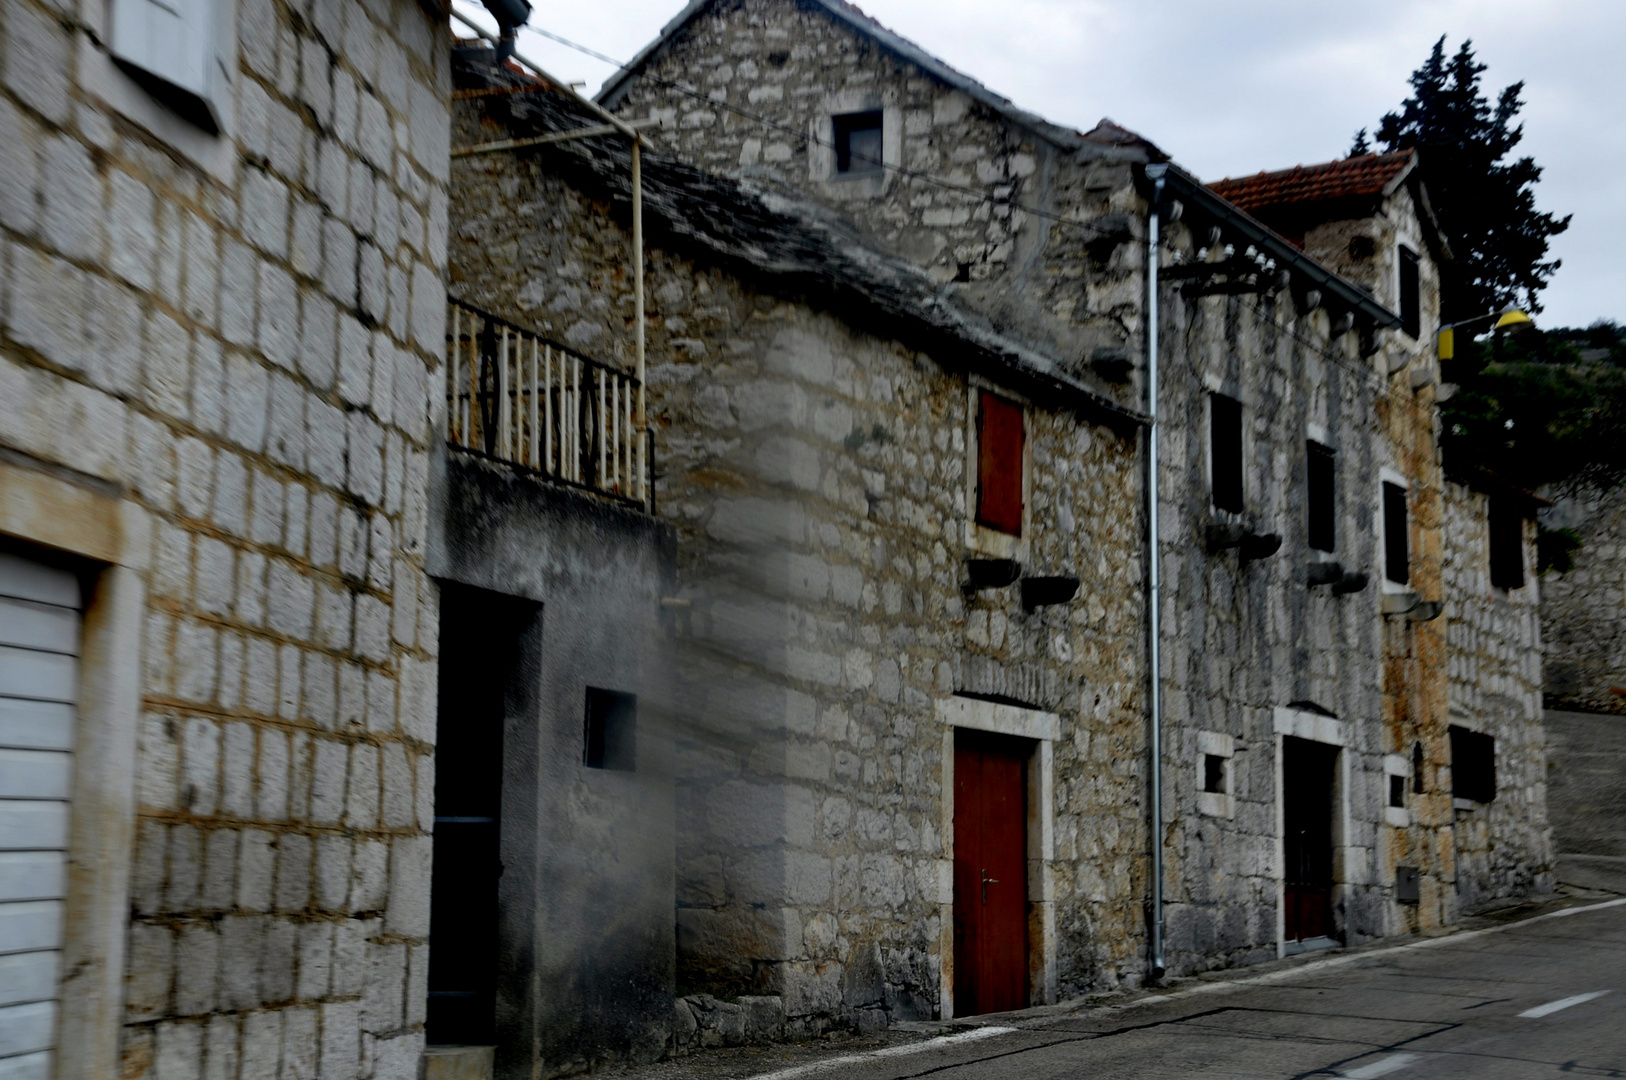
x: 1220, y: 804
x: 102, y: 78
x: 1396, y: 765
x: 1043, y: 729
x: 1329, y: 731
x: 980, y: 539
x: 821, y: 145
x: 109, y: 539
x: 1386, y: 475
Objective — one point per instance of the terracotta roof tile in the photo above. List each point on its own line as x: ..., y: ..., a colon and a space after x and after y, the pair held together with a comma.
x: 1354, y: 177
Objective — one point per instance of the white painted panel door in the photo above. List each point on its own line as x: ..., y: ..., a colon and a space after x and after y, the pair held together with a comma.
x: 39, y: 679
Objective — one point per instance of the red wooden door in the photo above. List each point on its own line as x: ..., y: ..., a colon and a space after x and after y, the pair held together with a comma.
x: 990, y: 874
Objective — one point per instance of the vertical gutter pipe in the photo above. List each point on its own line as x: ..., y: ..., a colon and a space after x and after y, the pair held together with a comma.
x: 1157, y: 174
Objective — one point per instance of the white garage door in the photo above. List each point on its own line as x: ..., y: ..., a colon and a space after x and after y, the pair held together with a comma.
x: 39, y: 678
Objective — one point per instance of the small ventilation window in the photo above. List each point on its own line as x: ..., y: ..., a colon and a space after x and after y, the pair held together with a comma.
x: 1506, y: 544
x: 1225, y: 451
x: 1397, y: 791
x: 1000, y: 438
x: 1411, y: 301
x: 612, y: 728
x: 1321, y: 498
x: 1417, y: 768
x: 1473, y: 765
x: 1214, y: 774
x: 1396, y: 554
x: 858, y: 143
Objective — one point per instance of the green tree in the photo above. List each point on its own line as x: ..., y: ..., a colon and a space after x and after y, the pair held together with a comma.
x: 1485, y: 202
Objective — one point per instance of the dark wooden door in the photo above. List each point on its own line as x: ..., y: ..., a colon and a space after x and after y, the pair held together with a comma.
x: 479, y: 653
x: 1307, y: 800
x: 990, y: 873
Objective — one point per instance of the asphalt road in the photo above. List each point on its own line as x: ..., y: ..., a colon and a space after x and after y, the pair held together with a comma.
x: 1544, y: 997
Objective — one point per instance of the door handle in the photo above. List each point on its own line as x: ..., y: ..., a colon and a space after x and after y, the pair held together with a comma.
x: 987, y: 881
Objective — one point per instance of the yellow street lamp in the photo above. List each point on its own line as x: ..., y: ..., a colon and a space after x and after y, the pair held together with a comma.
x: 1512, y: 320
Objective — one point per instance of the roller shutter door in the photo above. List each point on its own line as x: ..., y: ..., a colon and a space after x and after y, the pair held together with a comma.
x: 39, y: 680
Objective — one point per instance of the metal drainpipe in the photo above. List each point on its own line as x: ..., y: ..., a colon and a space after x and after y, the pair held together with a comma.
x: 1154, y: 577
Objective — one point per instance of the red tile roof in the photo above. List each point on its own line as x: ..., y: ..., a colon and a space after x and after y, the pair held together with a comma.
x: 1356, y: 177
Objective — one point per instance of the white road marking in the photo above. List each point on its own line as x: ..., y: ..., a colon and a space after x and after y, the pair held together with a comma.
x: 939, y: 1043
x: 1380, y: 1067
x: 1562, y: 1003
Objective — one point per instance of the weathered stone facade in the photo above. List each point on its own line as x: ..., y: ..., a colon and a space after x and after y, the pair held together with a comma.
x: 214, y: 387
x: 1583, y: 611
x: 1504, y: 847
x: 816, y: 473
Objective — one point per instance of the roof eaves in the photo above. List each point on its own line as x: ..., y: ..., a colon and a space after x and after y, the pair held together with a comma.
x: 1281, y: 249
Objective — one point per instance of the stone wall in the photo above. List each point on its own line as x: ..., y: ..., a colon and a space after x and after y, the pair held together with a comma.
x: 234, y: 335
x: 1503, y: 848
x: 962, y: 184
x: 816, y: 476
x: 1583, y: 611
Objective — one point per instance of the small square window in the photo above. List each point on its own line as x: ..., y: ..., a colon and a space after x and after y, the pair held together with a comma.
x: 1506, y: 544
x: 1000, y: 451
x: 1397, y: 791
x: 858, y: 143
x: 1411, y: 304
x: 1396, y: 552
x: 1321, y: 497
x: 1473, y: 765
x: 1214, y: 774
x: 612, y: 727
x: 1225, y: 446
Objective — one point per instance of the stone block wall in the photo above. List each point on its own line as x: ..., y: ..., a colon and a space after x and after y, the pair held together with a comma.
x: 749, y: 86
x: 816, y: 477
x: 236, y: 334
x: 1503, y: 848
x: 1583, y: 612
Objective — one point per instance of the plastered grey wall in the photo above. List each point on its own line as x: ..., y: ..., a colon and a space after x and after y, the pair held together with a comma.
x: 586, y: 900
x: 236, y: 335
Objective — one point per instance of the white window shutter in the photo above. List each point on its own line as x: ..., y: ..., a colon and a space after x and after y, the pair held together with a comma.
x: 173, y: 41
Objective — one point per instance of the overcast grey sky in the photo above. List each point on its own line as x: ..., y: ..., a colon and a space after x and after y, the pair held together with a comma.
x: 1235, y: 87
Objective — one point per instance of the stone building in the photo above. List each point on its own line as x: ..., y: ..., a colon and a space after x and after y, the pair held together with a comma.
x: 222, y: 249
x: 898, y: 267
x: 1301, y: 627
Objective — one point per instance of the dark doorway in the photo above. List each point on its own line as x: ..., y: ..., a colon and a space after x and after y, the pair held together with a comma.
x: 481, y: 635
x: 1307, y: 814
x: 990, y: 873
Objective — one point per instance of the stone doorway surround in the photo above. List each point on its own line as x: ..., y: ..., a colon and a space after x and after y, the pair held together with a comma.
x: 1043, y: 728
x: 1330, y: 731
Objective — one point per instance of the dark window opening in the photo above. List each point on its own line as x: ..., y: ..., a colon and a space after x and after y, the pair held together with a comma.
x: 1000, y: 439
x: 1473, y: 765
x: 1321, y: 498
x: 1417, y: 768
x: 1214, y: 774
x: 612, y: 730
x: 1396, y: 553
x: 1397, y: 791
x: 1411, y: 301
x: 1225, y: 457
x: 858, y: 143
x: 1506, y: 544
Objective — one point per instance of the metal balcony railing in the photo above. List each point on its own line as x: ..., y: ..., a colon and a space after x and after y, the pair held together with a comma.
x: 522, y: 399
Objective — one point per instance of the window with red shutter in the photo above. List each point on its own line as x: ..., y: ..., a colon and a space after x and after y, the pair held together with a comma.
x: 1000, y: 438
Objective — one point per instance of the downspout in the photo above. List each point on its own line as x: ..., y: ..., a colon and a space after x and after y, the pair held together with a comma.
x: 1154, y: 576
